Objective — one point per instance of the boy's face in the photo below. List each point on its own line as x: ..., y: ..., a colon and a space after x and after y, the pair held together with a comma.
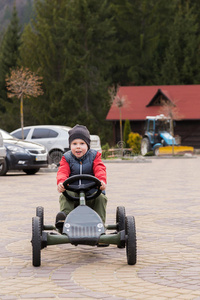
x: 79, y: 147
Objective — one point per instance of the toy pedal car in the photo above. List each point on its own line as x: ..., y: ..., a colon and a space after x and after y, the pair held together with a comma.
x: 83, y: 226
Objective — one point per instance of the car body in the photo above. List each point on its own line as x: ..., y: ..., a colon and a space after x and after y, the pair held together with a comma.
x: 2, y: 149
x: 54, y: 138
x: 22, y: 155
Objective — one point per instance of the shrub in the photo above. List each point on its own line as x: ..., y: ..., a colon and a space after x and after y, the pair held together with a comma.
x: 150, y: 153
x: 134, y: 140
x: 127, y: 131
x: 105, y: 152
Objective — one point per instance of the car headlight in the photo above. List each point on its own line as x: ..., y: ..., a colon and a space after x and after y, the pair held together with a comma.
x: 15, y: 149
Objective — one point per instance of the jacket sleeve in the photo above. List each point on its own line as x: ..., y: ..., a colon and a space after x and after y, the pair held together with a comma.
x: 99, y: 168
x: 63, y: 171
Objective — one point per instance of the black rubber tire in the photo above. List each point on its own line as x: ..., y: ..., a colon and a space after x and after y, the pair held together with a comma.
x: 40, y: 214
x: 55, y: 157
x: 36, y: 242
x: 156, y: 150
x: 131, y: 243
x: 3, y: 168
x: 120, y: 220
x: 145, y: 146
x: 31, y: 171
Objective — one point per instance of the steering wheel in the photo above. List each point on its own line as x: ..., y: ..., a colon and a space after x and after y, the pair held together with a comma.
x: 84, y: 187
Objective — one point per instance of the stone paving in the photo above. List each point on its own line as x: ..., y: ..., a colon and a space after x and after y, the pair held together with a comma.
x: 164, y: 197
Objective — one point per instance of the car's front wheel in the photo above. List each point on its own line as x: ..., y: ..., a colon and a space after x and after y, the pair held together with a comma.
x: 3, y: 168
x: 31, y: 171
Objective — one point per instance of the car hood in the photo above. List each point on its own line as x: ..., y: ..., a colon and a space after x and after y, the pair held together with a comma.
x: 23, y: 144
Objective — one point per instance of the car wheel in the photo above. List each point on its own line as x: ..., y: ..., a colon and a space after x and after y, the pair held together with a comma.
x: 145, y: 146
x: 55, y: 157
x: 31, y: 171
x: 36, y: 241
x: 120, y: 220
x: 131, y: 247
x: 3, y: 168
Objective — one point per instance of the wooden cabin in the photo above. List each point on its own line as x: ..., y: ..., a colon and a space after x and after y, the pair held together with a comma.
x: 138, y: 102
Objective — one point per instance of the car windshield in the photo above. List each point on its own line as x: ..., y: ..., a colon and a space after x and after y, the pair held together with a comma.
x: 6, y: 135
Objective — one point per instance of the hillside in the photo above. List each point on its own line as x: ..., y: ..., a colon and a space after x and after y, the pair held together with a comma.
x: 24, y: 9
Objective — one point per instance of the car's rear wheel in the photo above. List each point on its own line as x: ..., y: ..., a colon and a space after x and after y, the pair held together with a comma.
x: 36, y: 241
x: 55, y: 157
x: 31, y: 171
x: 3, y: 168
x: 131, y: 246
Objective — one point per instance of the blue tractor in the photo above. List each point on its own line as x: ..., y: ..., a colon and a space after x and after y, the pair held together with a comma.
x: 157, y: 134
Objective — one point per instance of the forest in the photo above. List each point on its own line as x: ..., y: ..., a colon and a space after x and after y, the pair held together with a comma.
x: 24, y: 11
x: 85, y: 49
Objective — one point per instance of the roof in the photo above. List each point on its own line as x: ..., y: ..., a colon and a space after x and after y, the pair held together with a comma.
x: 139, y: 101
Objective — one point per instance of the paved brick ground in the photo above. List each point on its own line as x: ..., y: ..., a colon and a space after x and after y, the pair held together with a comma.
x: 164, y: 197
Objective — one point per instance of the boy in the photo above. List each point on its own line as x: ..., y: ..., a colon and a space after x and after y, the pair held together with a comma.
x: 81, y: 160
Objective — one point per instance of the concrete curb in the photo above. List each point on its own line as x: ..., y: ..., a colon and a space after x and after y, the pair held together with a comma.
x: 139, y: 159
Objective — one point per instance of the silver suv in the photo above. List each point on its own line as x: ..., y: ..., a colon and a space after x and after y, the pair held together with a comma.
x: 54, y: 138
x: 2, y: 149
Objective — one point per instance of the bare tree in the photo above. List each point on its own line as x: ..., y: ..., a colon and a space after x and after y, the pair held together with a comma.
x: 22, y: 83
x: 119, y: 101
x: 170, y: 110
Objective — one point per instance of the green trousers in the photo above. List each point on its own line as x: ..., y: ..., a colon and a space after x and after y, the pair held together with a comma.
x: 98, y: 204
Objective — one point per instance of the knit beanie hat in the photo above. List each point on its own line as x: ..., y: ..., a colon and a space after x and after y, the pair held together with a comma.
x: 79, y: 132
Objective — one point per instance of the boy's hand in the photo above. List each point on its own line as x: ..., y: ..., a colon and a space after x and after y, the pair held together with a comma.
x: 60, y: 188
x: 103, y: 186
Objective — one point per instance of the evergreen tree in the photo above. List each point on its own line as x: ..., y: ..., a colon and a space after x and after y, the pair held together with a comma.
x: 26, y: 12
x: 127, y: 131
x: 44, y: 52
x: 9, y: 51
x: 90, y: 45
x: 190, y: 71
x: 9, y: 55
x: 142, y: 29
x: 181, y: 64
x: 70, y: 44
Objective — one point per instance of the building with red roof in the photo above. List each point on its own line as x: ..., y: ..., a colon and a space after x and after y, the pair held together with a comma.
x: 142, y: 101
